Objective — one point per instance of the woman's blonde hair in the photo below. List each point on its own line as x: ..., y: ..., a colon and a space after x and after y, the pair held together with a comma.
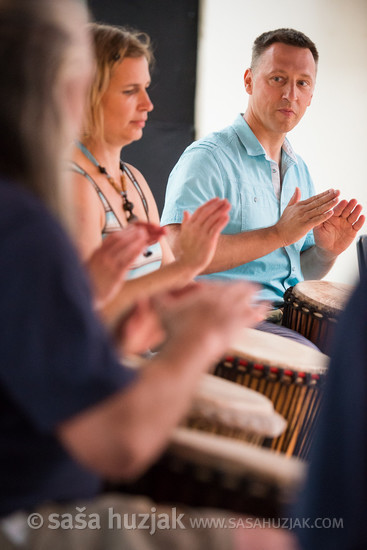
x: 111, y: 44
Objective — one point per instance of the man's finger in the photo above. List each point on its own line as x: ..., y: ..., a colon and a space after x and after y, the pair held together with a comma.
x: 321, y: 198
x: 359, y: 223
x: 354, y: 215
x: 295, y: 197
x: 321, y: 218
x: 349, y: 208
x: 338, y: 209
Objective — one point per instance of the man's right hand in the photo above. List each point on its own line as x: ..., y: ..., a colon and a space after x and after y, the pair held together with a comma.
x: 299, y: 217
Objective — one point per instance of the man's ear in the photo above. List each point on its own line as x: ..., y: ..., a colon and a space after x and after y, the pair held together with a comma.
x: 248, y: 80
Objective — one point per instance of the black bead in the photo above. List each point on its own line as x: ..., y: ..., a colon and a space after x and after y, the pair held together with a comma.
x: 131, y: 217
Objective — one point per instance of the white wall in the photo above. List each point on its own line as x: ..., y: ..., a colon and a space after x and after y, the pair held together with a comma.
x: 332, y: 137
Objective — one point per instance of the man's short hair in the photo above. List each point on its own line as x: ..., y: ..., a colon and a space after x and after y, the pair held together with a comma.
x: 290, y: 37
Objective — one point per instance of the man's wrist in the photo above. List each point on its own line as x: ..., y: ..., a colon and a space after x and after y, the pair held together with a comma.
x: 275, y: 236
x: 323, y: 255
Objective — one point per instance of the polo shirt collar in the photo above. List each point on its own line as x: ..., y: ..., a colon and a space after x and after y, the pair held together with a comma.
x: 288, y: 150
x: 252, y: 144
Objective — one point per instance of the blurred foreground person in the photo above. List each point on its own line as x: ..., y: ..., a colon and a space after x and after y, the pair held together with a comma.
x: 71, y: 415
x: 335, y: 493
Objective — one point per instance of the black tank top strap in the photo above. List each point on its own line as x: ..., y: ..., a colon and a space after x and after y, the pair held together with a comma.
x: 110, y: 215
x: 132, y: 178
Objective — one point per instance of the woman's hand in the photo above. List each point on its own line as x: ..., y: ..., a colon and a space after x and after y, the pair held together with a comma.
x: 200, y: 232
x: 110, y: 262
x: 154, y: 231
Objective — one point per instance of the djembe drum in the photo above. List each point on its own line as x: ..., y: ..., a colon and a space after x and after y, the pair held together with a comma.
x: 223, y: 407
x: 312, y: 309
x: 288, y: 373
x: 203, y: 469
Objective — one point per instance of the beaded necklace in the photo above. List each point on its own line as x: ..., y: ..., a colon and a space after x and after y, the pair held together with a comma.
x: 127, y: 205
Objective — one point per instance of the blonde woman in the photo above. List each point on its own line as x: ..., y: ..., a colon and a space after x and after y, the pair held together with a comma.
x: 109, y: 194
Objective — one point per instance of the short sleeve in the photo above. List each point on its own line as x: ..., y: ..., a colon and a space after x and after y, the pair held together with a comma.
x: 56, y: 359
x: 194, y: 180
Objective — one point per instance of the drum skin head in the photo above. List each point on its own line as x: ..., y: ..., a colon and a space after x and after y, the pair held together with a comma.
x: 237, y: 407
x: 276, y: 351
x: 325, y: 296
x: 237, y: 457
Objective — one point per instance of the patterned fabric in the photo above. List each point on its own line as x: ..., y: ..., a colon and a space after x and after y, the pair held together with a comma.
x: 144, y: 263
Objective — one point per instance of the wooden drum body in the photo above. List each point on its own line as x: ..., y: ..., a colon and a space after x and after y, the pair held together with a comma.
x: 290, y: 374
x: 312, y: 309
x: 222, y: 407
x: 203, y: 469
x: 225, y: 408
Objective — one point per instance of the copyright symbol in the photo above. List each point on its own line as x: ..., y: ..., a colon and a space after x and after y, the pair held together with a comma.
x: 35, y: 521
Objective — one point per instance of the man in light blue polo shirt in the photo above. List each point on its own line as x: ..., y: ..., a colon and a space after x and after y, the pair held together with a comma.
x: 280, y: 231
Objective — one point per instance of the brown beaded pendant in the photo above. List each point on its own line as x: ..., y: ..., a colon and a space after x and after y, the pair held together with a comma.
x: 127, y: 205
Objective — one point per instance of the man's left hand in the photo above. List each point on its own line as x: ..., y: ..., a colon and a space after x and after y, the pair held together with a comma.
x: 339, y: 231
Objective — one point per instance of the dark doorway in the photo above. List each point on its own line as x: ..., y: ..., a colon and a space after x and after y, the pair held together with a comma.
x: 172, y: 26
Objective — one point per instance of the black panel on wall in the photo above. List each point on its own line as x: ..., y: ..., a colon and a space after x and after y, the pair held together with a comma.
x: 172, y: 26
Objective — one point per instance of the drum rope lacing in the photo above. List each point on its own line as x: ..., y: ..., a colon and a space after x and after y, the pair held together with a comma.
x: 291, y: 385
